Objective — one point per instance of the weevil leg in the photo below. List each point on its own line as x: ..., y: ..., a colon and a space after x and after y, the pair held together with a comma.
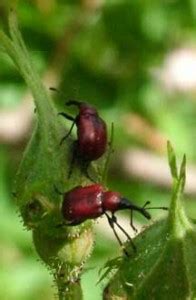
x: 114, y: 219
x: 71, y: 128
x: 111, y: 223
x: 66, y: 116
x: 85, y: 169
x: 131, y: 222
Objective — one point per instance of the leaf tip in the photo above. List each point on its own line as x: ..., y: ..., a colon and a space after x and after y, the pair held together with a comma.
x: 172, y: 160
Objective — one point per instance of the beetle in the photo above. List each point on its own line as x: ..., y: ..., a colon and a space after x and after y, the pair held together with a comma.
x: 91, y: 140
x: 92, y: 201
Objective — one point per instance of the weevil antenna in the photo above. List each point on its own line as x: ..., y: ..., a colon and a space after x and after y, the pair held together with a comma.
x: 155, y: 207
x: 74, y: 102
x: 68, y: 103
x: 57, y: 91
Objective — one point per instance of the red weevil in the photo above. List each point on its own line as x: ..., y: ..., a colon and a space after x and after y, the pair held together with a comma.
x: 90, y: 202
x: 91, y: 140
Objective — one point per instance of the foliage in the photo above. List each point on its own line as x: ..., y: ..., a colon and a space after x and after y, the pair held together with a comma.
x: 164, y: 266
x: 104, y: 55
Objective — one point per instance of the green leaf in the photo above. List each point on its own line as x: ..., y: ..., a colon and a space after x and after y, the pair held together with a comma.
x: 110, y: 267
x: 183, y: 172
x: 172, y: 161
x: 164, y: 266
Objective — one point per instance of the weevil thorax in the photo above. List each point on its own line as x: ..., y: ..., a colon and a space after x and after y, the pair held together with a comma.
x: 86, y: 109
x: 111, y: 201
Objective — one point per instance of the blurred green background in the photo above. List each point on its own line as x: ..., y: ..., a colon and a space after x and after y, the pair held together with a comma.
x: 136, y: 62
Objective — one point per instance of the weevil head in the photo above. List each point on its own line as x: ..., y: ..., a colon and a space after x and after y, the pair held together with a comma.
x: 85, y: 108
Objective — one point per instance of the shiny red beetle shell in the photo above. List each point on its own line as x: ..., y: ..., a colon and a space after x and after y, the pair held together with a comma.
x: 91, y: 132
x: 89, y: 202
x: 82, y: 203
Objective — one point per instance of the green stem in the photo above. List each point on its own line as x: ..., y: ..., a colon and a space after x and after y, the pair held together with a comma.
x: 44, y: 165
x: 71, y: 292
